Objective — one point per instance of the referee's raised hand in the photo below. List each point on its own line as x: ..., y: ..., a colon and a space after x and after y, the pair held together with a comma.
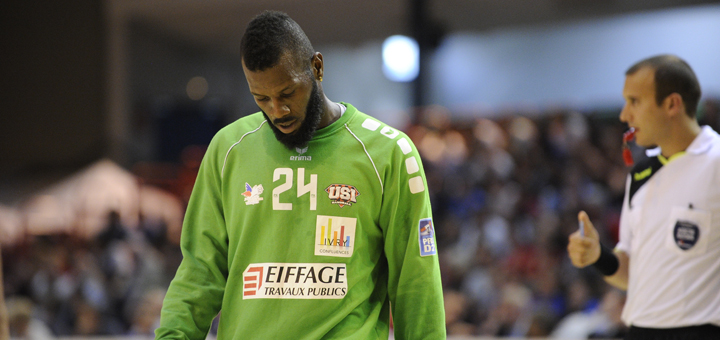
x: 584, y: 247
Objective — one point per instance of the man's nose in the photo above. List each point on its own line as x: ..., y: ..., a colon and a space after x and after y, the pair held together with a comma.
x: 624, y: 114
x: 279, y: 109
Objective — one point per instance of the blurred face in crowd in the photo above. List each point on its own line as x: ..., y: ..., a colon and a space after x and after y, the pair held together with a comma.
x: 289, y: 98
x: 641, y: 110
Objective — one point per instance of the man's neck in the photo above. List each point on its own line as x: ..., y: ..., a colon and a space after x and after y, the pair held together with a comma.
x: 683, y: 135
x: 331, y: 113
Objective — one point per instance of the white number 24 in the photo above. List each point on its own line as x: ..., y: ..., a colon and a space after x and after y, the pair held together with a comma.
x: 302, y: 188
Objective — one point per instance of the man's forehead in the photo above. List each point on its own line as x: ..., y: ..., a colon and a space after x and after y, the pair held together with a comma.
x: 278, y: 77
x: 643, y: 75
x: 285, y: 61
x: 642, y: 79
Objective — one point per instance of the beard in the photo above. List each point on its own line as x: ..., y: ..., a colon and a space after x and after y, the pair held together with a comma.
x: 302, y: 136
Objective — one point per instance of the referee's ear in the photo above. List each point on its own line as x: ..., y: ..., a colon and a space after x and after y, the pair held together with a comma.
x: 674, y: 105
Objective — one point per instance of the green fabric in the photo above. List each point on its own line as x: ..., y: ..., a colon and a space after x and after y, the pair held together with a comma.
x: 230, y: 234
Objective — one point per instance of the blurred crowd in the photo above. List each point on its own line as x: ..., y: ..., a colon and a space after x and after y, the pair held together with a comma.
x: 505, y: 196
x: 66, y: 285
x: 505, y: 192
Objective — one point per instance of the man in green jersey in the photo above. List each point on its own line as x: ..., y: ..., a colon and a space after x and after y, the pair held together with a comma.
x: 309, y: 219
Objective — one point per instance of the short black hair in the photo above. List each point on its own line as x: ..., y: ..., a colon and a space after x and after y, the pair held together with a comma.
x: 672, y: 75
x: 269, y: 36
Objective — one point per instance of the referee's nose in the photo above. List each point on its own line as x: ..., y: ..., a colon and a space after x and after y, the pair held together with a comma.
x: 624, y: 114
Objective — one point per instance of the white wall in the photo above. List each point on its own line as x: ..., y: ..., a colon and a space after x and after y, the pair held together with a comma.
x: 354, y: 74
x: 577, y: 65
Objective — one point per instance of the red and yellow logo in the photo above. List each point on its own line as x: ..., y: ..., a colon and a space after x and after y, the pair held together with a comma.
x: 342, y: 194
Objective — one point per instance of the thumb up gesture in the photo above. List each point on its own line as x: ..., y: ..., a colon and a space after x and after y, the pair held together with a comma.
x: 584, y: 244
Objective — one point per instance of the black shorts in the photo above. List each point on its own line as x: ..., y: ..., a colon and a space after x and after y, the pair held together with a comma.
x: 702, y: 332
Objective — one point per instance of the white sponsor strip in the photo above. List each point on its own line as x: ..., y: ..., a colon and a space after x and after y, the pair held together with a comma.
x: 411, y: 165
x: 416, y: 185
x: 370, y: 124
x: 404, y: 146
x: 295, y: 281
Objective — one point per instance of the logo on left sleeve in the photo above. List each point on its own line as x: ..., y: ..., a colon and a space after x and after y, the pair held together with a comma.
x: 425, y: 235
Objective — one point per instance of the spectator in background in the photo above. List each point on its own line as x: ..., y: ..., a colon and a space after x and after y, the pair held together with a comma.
x: 146, y: 314
x: 598, y: 322
x: 23, y: 323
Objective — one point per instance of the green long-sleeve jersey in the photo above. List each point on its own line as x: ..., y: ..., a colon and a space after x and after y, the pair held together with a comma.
x: 311, y: 243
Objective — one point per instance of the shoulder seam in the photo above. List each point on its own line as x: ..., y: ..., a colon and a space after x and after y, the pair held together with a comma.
x: 382, y: 189
x: 222, y: 172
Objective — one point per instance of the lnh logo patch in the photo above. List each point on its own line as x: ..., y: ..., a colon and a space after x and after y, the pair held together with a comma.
x: 425, y: 233
x: 686, y: 234
x: 334, y: 236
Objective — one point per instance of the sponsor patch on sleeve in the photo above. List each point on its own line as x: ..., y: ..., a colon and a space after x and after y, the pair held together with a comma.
x: 426, y: 238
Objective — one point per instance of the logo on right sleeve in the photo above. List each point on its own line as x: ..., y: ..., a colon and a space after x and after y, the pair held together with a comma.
x: 425, y: 234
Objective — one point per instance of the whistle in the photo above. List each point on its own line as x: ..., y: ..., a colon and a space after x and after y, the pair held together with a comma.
x: 627, y: 155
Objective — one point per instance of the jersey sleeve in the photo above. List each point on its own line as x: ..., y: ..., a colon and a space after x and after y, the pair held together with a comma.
x: 194, y: 296
x: 414, y: 285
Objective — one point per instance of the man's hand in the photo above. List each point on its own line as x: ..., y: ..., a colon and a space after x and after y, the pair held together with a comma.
x: 584, y: 250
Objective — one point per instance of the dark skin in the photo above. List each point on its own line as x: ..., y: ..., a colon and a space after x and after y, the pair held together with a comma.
x: 283, y: 92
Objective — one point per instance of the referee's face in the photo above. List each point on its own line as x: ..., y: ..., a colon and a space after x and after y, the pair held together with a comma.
x: 641, y: 110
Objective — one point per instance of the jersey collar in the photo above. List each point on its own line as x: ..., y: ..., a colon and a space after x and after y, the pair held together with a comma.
x: 338, y: 124
x: 700, y: 145
x: 703, y: 142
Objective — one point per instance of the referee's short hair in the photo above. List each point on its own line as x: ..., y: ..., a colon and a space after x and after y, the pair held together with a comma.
x: 269, y: 36
x: 672, y: 75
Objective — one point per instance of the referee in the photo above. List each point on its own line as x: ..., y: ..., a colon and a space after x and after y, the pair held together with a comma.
x: 668, y: 257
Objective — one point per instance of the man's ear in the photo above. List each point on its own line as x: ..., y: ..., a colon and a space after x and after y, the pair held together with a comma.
x: 317, y: 65
x: 674, y: 104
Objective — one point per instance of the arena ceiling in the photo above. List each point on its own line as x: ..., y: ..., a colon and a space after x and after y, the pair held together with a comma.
x: 218, y: 24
